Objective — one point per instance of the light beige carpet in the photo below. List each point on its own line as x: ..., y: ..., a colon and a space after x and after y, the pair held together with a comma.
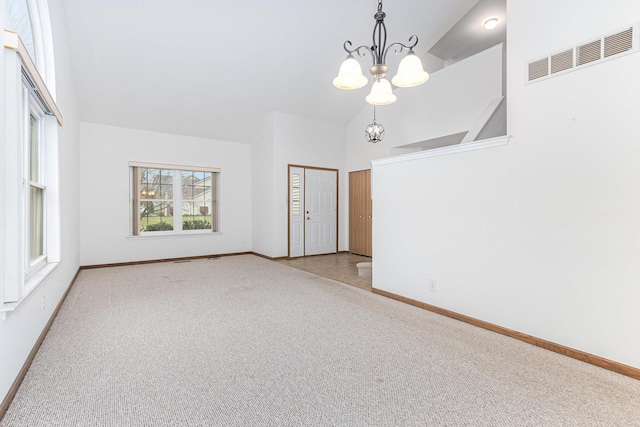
x: 243, y: 341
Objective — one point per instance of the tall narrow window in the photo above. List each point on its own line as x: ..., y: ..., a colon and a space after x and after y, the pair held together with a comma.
x: 295, y: 194
x: 197, y: 197
x: 173, y: 200
x: 156, y: 199
x: 37, y: 188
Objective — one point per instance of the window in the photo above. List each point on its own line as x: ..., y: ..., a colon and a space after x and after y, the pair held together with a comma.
x: 173, y: 199
x: 35, y: 177
x: 30, y: 163
x: 295, y: 194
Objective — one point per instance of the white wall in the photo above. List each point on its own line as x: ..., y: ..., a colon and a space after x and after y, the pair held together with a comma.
x: 305, y: 142
x: 20, y: 331
x: 105, y: 230
x: 263, y: 211
x: 449, y: 102
x: 541, y: 235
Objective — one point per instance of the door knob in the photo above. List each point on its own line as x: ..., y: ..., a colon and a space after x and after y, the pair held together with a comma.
x: 308, y: 218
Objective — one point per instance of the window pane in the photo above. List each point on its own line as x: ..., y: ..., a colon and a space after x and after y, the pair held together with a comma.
x: 36, y: 223
x: 156, y: 216
x: 166, y: 186
x: 295, y: 194
x: 34, y: 150
x: 196, y: 216
x: 156, y: 184
x: 196, y: 186
x: 18, y: 11
x: 196, y: 196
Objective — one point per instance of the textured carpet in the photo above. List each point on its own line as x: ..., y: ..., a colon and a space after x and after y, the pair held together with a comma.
x: 249, y: 342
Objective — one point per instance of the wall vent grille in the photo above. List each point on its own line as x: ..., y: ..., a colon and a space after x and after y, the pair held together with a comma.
x: 562, y: 61
x: 618, y: 43
x: 589, y: 53
x: 538, y: 69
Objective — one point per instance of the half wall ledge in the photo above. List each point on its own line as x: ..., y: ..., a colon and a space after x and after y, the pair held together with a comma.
x: 451, y: 149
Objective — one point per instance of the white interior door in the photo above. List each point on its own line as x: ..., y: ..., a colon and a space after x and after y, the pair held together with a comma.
x: 321, y: 212
x: 313, y: 211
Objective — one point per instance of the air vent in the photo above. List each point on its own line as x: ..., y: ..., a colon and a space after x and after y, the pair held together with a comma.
x: 562, y: 61
x: 539, y: 69
x: 618, y: 43
x: 607, y: 47
x: 589, y: 52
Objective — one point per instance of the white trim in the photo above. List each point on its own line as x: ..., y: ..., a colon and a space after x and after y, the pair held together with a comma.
x: 184, y: 233
x: 30, y: 285
x: 12, y: 41
x: 174, y: 167
x: 475, y: 145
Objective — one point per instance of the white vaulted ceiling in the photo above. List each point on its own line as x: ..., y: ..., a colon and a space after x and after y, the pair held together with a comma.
x: 215, y: 69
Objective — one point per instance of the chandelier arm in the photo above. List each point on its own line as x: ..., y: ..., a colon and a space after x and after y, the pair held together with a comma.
x: 357, y: 50
x: 402, y: 46
x: 379, y: 46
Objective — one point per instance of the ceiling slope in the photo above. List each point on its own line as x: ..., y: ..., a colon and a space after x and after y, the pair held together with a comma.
x: 217, y: 69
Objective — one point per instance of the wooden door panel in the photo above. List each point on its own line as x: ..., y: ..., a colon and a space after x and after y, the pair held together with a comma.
x: 359, y: 212
x: 368, y: 215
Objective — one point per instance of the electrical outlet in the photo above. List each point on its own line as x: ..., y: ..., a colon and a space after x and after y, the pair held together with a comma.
x: 433, y: 285
x: 43, y: 303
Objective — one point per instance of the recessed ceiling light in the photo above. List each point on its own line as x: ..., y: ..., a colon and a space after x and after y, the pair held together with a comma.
x: 490, y: 23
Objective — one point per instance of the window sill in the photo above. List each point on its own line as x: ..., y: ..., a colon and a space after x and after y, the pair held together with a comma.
x: 163, y: 235
x: 30, y: 285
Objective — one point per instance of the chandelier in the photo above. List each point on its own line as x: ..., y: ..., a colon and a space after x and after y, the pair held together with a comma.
x: 410, y: 71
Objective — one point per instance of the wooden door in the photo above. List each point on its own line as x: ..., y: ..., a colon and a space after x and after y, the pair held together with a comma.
x: 368, y: 219
x: 360, y: 218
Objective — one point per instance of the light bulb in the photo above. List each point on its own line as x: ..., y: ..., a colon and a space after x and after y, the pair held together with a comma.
x: 490, y: 23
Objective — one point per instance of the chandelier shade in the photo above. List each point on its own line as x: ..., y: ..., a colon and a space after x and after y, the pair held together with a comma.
x: 381, y: 93
x: 410, y: 72
x: 350, y: 75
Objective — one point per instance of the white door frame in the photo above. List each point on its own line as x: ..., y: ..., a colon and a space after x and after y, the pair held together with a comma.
x: 296, y: 216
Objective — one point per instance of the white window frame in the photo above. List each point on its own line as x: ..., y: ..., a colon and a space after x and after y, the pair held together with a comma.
x: 176, y: 200
x: 32, y: 109
x: 25, y: 92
